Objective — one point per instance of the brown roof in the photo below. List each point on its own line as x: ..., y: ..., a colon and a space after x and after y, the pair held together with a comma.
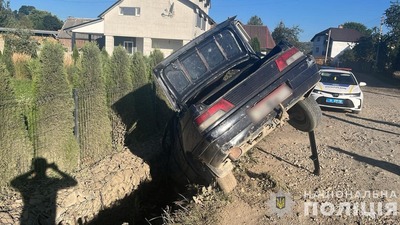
x: 341, y: 34
x: 72, y: 22
x: 262, y: 34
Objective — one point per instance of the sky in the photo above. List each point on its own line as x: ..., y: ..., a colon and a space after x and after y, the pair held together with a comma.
x: 312, y: 16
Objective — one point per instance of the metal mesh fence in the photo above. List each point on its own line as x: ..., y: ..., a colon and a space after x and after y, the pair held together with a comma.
x: 32, y: 128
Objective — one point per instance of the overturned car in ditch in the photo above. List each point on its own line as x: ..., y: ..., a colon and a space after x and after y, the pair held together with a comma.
x: 227, y: 98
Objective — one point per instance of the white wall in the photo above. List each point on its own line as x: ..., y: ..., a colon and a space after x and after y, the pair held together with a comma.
x: 339, y: 47
x: 151, y: 23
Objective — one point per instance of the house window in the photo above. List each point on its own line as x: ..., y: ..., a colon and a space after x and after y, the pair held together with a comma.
x: 129, y: 11
x: 318, y: 38
x: 201, y: 22
x: 317, y: 50
x: 129, y: 47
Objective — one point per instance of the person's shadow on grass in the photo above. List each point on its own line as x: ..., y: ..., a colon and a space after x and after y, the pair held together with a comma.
x: 39, y: 192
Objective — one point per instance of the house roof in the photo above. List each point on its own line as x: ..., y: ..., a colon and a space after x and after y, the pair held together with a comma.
x: 35, y: 32
x: 71, y: 22
x: 262, y: 34
x: 341, y: 34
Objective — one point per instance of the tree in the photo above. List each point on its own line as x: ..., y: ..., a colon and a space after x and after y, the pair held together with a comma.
x: 95, y: 135
x: 15, y: 148
x: 255, y: 20
x: 7, y: 18
x: 26, y: 10
x: 281, y: 32
x: 139, y: 70
x: 51, y: 22
x: 121, y: 101
x: 359, y: 27
x: 255, y: 44
x: 55, y: 140
x: 393, y: 23
x: 43, y: 20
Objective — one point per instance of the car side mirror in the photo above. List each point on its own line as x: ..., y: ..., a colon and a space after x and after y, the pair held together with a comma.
x: 362, y: 84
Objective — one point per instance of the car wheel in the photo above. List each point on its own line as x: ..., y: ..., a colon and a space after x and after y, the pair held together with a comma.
x: 183, y: 168
x: 305, y: 115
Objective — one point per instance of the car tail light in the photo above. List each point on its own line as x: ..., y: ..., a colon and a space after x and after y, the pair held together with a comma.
x: 213, y: 113
x: 288, y: 58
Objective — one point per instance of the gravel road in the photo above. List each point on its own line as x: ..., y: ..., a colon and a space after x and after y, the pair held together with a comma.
x: 360, y: 169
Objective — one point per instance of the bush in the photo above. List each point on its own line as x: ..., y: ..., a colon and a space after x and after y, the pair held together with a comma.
x: 54, y: 116
x: 120, y: 86
x: 94, y: 129
x: 15, y: 149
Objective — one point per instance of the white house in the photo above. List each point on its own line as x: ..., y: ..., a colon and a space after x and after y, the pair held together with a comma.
x: 332, y: 42
x: 143, y: 25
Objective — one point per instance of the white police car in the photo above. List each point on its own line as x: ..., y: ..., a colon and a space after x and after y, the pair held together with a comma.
x: 338, y: 88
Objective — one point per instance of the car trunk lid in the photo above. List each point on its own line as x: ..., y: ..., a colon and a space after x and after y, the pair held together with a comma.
x: 201, y: 62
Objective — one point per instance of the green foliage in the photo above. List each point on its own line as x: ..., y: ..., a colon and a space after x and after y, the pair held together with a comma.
x: 255, y: 44
x: 28, y: 17
x: 155, y: 57
x: 7, y: 59
x: 359, y: 27
x: 54, y: 114
x: 26, y: 10
x: 21, y: 69
x: 75, y: 54
x: 95, y: 131
x: 281, y: 32
x: 43, y: 20
x: 392, y: 21
x: 7, y: 18
x: 139, y: 70
x: 20, y: 41
x: 255, y: 20
x: 120, y: 79
x: 15, y: 148
x: 120, y: 98
x: 6, y: 91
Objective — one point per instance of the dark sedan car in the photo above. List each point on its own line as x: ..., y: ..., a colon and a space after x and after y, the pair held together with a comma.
x: 227, y: 98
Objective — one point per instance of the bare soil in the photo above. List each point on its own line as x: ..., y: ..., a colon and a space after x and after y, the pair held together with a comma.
x: 359, y: 155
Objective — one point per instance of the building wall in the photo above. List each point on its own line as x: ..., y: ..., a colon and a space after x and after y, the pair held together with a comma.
x: 319, y: 46
x: 153, y: 24
x: 339, y: 47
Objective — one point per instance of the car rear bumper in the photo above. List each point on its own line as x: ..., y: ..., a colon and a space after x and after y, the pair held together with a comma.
x: 238, y: 129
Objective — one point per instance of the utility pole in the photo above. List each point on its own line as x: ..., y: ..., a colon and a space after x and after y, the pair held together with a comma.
x: 327, y: 46
x: 379, y: 42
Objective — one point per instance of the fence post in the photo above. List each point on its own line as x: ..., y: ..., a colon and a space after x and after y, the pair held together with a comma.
x: 76, y: 115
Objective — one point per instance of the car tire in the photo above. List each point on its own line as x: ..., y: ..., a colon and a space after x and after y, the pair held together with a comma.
x: 305, y: 115
x: 183, y: 168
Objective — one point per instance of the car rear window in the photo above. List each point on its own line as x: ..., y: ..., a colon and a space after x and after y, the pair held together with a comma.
x: 202, y: 61
x: 176, y: 77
